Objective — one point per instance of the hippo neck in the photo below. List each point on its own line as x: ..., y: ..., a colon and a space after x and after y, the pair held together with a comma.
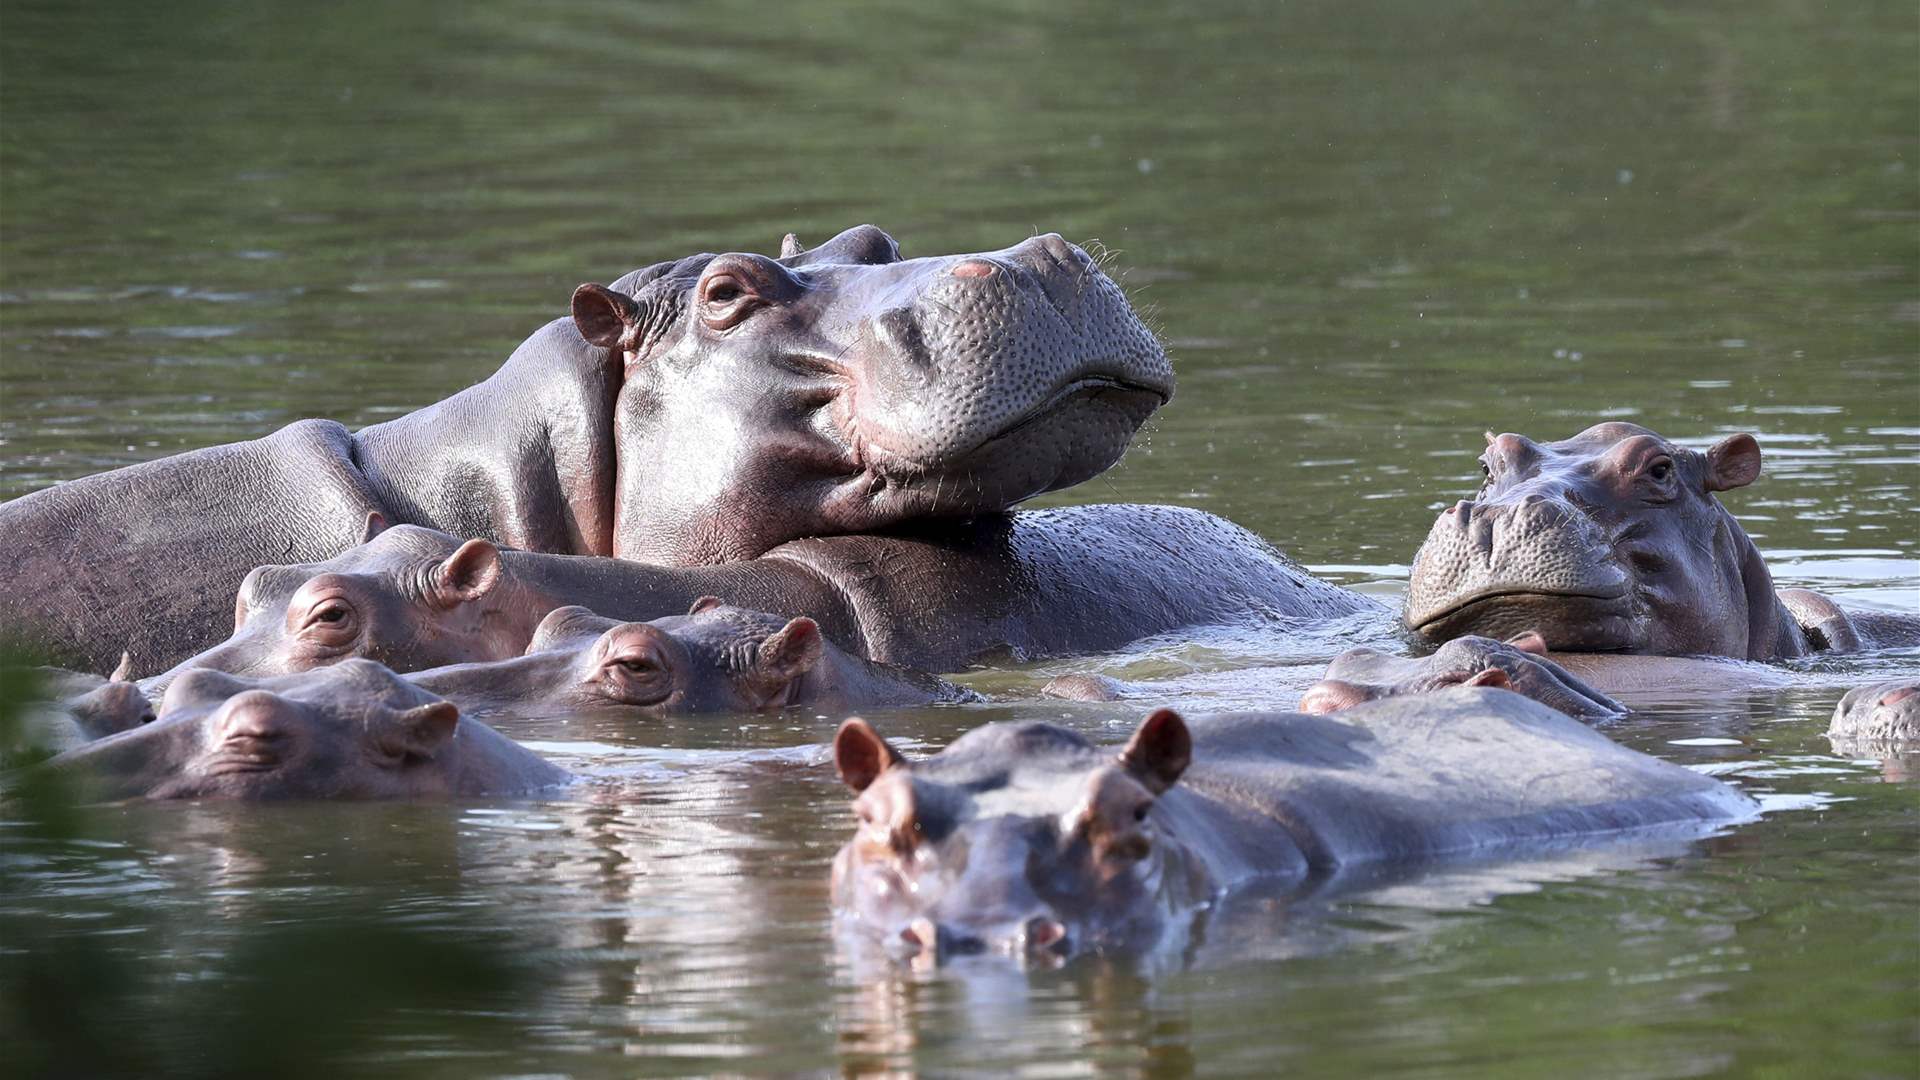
x: 524, y: 458
x: 1772, y: 633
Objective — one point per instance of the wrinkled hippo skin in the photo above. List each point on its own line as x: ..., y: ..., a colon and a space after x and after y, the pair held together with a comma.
x: 1879, y: 716
x: 1034, y: 584
x: 715, y: 658
x: 1613, y: 541
x: 1520, y: 665
x: 704, y: 409
x: 1025, y: 838
x: 351, y: 731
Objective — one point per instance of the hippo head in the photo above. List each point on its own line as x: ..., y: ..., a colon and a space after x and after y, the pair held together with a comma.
x: 717, y: 658
x: 1878, y: 715
x: 1521, y: 664
x: 354, y: 730
x: 1611, y: 541
x: 1019, y: 838
x: 845, y: 389
x: 409, y: 597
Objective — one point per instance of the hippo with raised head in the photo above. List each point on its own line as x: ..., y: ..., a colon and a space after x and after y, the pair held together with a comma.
x: 715, y: 658
x: 1039, y: 583
x: 1613, y: 541
x: 351, y: 731
x: 1027, y: 838
x: 1878, y: 716
x: 704, y: 409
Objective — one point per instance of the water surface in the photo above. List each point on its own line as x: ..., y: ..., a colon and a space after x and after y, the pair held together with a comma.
x: 1368, y: 235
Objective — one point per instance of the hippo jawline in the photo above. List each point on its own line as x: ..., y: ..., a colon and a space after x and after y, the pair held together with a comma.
x: 1467, y: 614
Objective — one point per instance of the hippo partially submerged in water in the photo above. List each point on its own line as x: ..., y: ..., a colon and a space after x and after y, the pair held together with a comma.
x: 1613, y: 541
x: 1026, y: 838
x: 715, y: 658
x: 704, y: 409
x: 351, y: 731
x: 1038, y: 583
x: 1878, y: 716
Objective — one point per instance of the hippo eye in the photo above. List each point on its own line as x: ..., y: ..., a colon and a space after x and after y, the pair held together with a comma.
x: 330, y: 619
x: 1660, y: 470
x: 635, y: 665
x: 723, y: 290
x: 1140, y: 812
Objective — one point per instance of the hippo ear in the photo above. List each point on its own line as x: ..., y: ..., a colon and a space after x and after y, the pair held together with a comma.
x: 861, y: 755
x: 1332, y: 695
x: 791, y: 652
x: 604, y: 317
x: 1493, y: 676
x: 790, y: 246
x: 1529, y: 641
x: 1159, y: 751
x: 418, y: 732
x: 468, y: 574
x: 375, y: 525
x: 123, y: 671
x: 1733, y: 462
x: 705, y: 603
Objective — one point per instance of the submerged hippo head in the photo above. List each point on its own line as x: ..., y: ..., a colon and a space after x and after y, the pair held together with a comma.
x: 1611, y: 541
x: 351, y: 731
x: 1878, y: 715
x: 1521, y: 665
x: 844, y: 389
x: 1021, y: 838
x: 409, y: 598
x: 716, y: 659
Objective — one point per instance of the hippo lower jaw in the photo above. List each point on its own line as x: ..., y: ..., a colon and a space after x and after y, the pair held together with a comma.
x: 1598, y: 621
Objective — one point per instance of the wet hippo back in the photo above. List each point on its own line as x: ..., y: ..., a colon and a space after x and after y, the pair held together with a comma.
x: 1060, y: 582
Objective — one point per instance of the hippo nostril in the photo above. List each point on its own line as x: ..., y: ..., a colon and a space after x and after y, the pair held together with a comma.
x: 974, y: 268
x: 1898, y: 695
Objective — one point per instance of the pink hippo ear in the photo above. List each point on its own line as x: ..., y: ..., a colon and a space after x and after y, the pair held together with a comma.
x: 375, y: 525
x: 468, y: 574
x: 1332, y: 695
x: 705, y: 603
x: 783, y: 658
x: 1529, y: 641
x: 417, y: 733
x: 1159, y: 751
x: 1733, y: 462
x: 605, y: 318
x: 861, y: 755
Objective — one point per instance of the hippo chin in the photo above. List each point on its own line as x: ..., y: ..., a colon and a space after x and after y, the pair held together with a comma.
x: 701, y: 410
x: 1613, y: 541
x: 1877, y: 717
x: 716, y: 658
x: 1038, y: 583
x: 352, y: 731
x: 1025, y: 838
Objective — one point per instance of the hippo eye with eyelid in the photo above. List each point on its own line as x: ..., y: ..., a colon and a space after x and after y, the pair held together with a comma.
x: 1140, y: 812
x: 1660, y: 470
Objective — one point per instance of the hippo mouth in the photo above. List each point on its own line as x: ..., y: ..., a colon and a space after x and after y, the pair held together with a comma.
x: 1595, y: 621
x: 1134, y: 401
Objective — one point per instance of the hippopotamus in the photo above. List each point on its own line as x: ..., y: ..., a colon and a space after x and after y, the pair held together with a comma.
x: 1878, y: 715
x: 1027, y: 838
x: 1034, y: 584
x: 81, y: 707
x: 354, y: 730
x: 1520, y: 665
x: 705, y: 409
x: 715, y: 658
x: 1614, y: 541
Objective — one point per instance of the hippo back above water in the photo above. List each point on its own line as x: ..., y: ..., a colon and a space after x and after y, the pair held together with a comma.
x: 703, y: 409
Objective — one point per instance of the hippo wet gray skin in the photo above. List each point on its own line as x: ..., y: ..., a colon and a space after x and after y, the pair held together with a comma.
x: 704, y: 409
x: 1878, y: 715
x: 1521, y: 665
x: 1613, y: 541
x: 1026, y: 838
x: 1038, y: 583
x: 715, y: 658
x: 351, y: 731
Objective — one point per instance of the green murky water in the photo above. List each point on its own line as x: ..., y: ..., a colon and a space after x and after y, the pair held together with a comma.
x: 1369, y: 233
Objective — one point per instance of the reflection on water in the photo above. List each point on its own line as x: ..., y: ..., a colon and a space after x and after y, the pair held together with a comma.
x: 1369, y: 234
